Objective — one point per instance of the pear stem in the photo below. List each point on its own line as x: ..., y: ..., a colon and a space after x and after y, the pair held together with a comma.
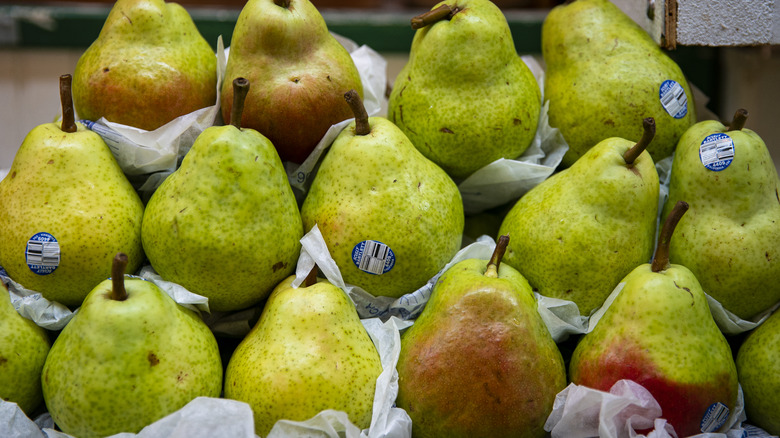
x: 66, y: 99
x: 240, y: 90
x: 661, y: 258
x: 498, y: 254
x: 359, y: 110
x: 433, y: 16
x: 632, y: 154
x: 311, y: 278
x: 740, y: 117
x: 118, y: 291
x: 282, y: 3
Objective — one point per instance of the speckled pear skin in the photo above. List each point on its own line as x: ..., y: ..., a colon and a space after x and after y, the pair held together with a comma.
x: 308, y: 352
x: 758, y: 367
x: 730, y: 236
x: 148, y: 66
x: 479, y: 361
x: 576, y: 234
x: 121, y: 365
x: 70, y: 186
x: 659, y: 333
x: 225, y: 225
x: 23, y: 350
x: 379, y: 187
x: 603, y: 72
x: 465, y: 98
x: 299, y: 70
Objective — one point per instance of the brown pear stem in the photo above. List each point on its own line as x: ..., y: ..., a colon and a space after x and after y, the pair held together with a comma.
x: 118, y: 291
x: 433, y: 16
x: 661, y: 258
x: 282, y: 3
x: 359, y: 110
x: 740, y: 117
x: 632, y: 154
x: 240, y: 90
x: 66, y: 99
x: 311, y: 278
x: 498, y: 255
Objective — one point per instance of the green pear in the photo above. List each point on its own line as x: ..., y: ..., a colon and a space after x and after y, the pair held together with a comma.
x: 307, y: 353
x: 300, y: 71
x: 225, y: 224
x: 130, y: 356
x: 465, y: 98
x: 730, y: 239
x: 758, y: 367
x: 391, y: 218
x: 23, y: 350
x: 65, y: 209
x: 603, y: 72
x: 576, y: 234
x: 659, y: 333
x: 148, y: 66
x: 479, y: 361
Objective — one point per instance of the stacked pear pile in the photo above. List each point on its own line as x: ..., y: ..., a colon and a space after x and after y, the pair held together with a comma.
x: 479, y: 359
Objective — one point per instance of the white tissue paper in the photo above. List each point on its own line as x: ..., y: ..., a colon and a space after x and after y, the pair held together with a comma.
x: 580, y: 412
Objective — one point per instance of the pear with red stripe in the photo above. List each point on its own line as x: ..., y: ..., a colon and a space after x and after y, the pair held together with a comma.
x: 659, y: 333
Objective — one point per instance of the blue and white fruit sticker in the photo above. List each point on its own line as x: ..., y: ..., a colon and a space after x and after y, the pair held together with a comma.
x: 43, y: 253
x: 673, y: 99
x: 716, y: 151
x: 715, y: 417
x: 373, y: 257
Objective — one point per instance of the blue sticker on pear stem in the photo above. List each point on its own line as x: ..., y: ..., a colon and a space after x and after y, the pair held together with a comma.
x: 716, y: 151
x: 42, y: 253
x: 715, y: 417
x: 373, y: 257
x: 673, y: 99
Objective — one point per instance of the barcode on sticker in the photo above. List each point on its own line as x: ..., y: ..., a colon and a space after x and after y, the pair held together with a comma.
x: 719, y: 149
x: 374, y: 256
x: 715, y: 417
x: 43, y: 253
x: 750, y: 431
x: 673, y: 99
x: 716, y: 151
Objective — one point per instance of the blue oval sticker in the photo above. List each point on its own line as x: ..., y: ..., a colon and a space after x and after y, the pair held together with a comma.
x: 373, y: 257
x: 42, y: 253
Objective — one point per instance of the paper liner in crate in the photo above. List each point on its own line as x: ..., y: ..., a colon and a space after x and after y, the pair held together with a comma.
x: 579, y: 411
x: 148, y: 157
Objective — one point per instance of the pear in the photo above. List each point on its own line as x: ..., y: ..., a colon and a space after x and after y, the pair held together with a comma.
x: 576, y: 234
x: 307, y: 353
x: 479, y: 361
x: 758, y: 367
x: 603, y: 72
x: 465, y: 98
x: 225, y: 224
x: 659, y: 333
x: 391, y: 218
x: 23, y: 350
x: 148, y: 66
x: 65, y: 209
x: 300, y: 72
x: 730, y: 239
x: 129, y: 357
